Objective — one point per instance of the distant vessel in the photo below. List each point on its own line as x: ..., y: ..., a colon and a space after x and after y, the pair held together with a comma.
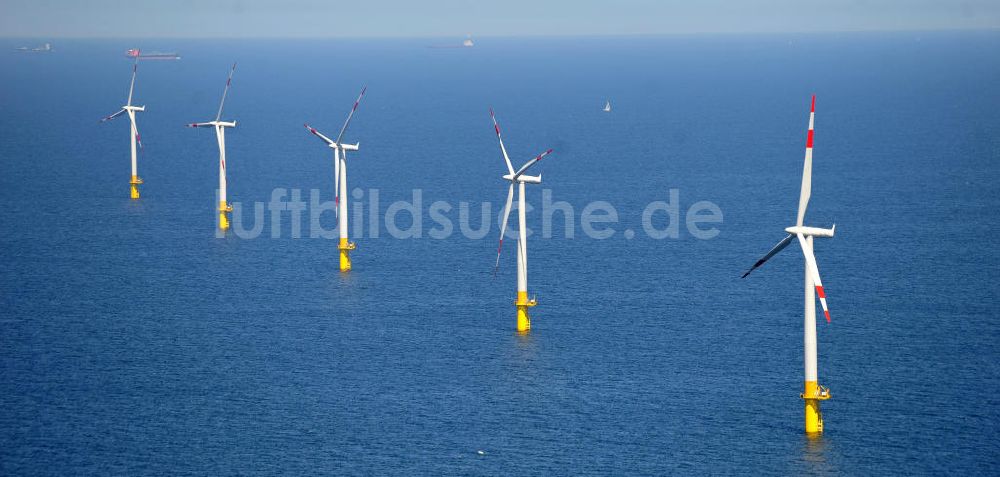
x: 607, y: 107
x: 46, y: 48
x: 153, y: 55
x: 467, y: 43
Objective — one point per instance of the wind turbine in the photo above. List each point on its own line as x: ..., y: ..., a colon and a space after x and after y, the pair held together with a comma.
x: 813, y: 393
x: 134, y: 133
x: 220, y: 134
x: 340, y: 181
x: 517, y: 177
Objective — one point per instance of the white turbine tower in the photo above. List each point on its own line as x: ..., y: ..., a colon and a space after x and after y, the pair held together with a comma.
x: 813, y: 393
x: 517, y: 177
x: 133, y: 131
x: 340, y: 181
x: 220, y: 134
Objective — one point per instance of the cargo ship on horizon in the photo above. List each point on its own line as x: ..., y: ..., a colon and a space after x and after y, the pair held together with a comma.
x: 46, y: 48
x: 153, y: 55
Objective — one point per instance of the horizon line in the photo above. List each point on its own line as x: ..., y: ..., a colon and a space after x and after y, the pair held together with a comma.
x: 514, y: 36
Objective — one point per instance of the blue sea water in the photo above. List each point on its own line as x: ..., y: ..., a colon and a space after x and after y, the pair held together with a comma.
x: 134, y: 341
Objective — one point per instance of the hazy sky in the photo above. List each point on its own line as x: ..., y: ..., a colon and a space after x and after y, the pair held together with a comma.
x: 402, y: 18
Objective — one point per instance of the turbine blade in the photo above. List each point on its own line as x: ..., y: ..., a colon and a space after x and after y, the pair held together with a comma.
x: 318, y: 134
x: 814, y: 271
x: 336, y: 182
x: 807, y: 167
x: 520, y: 257
x: 131, y: 85
x: 531, y: 163
x: 351, y: 114
x: 225, y: 92
x: 503, y: 228
x: 774, y: 251
x: 109, y: 118
x: 135, y: 130
x: 496, y: 127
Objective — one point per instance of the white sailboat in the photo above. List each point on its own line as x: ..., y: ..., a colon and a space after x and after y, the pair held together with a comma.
x: 607, y: 107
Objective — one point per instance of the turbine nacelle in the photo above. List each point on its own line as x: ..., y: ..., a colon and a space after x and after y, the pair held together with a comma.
x: 223, y: 124
x: 133, y: 108
x: 523, y: 178
x: 811, y: 231
x: 346, y: 147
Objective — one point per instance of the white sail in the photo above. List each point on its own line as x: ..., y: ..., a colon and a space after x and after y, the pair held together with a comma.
x: 607, y: 107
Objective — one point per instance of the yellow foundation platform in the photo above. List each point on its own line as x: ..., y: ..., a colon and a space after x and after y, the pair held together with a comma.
x: 522, y: 304
x: 814, y: 393
x: 134, y: 187
x: 345, y: 248
x: 224, y: 210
